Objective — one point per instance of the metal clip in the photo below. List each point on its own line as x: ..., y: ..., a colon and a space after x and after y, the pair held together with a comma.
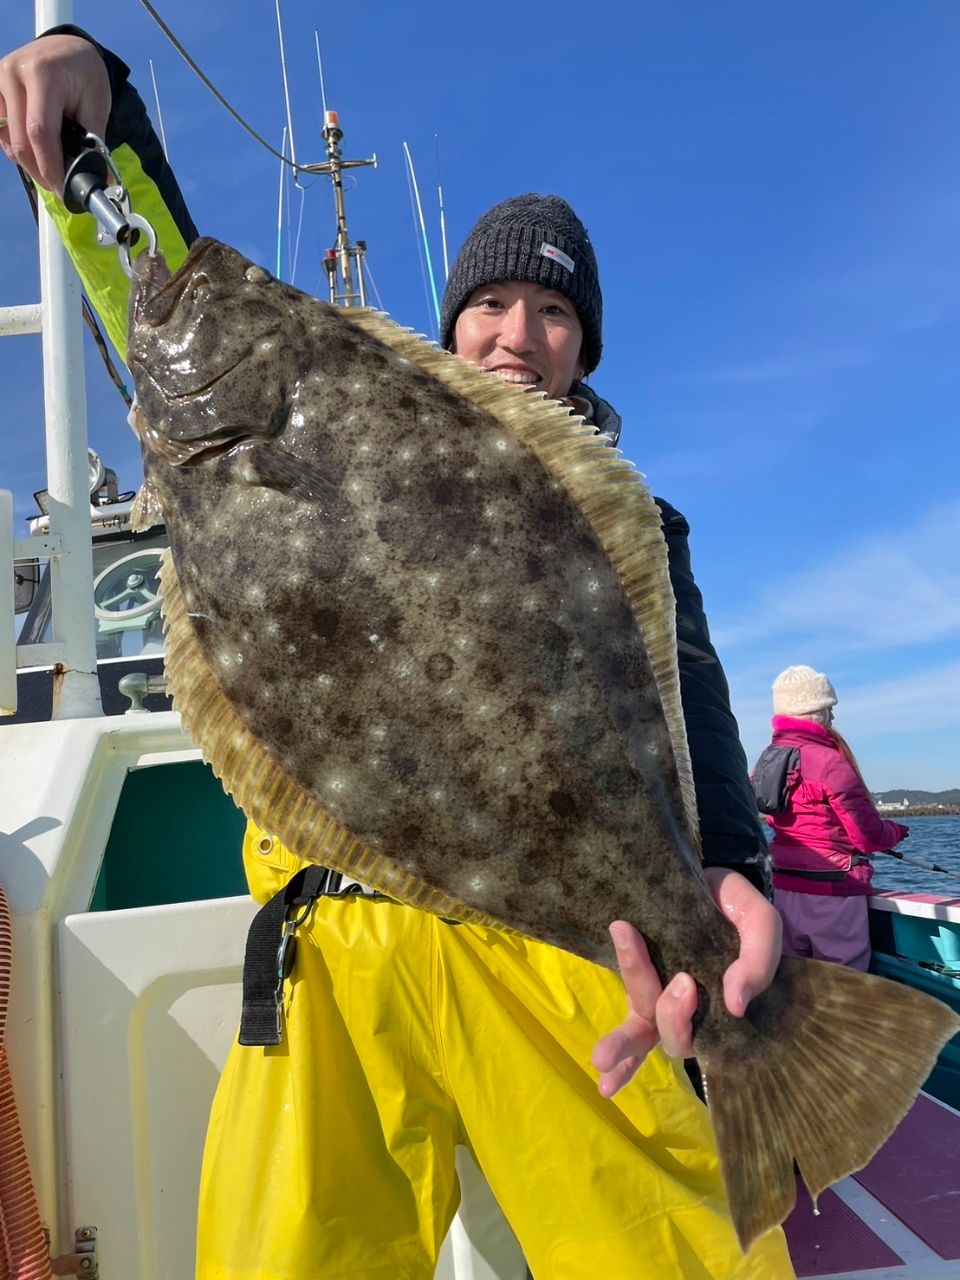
x: 136, y: 223
x: 84, y: 1261
x: 286, y: 954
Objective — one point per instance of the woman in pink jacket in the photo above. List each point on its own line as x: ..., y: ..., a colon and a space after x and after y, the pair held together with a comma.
x: 826, y: 829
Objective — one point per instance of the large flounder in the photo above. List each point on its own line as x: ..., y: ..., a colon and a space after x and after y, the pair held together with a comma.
x: 421, y: 624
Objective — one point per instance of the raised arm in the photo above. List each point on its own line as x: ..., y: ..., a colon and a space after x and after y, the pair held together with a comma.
x: 66, y: 73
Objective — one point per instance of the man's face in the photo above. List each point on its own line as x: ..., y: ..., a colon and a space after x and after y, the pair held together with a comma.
x: 524, y: 333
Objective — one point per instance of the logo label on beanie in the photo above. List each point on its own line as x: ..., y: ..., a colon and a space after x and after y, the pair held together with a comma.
x: 551, y: 251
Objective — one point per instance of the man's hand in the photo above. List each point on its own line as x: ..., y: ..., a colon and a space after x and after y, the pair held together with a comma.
x: 665, y: 1014
x: 41, y: 83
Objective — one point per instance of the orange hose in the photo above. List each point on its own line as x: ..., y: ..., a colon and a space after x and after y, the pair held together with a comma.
x: 24, y: 1254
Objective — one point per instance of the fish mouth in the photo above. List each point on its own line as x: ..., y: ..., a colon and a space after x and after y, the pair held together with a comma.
x: 154, y: 308
x: 193, y: 393
x: 187, y: 453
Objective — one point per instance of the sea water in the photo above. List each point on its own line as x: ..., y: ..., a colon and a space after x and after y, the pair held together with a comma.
x: 930, y: 840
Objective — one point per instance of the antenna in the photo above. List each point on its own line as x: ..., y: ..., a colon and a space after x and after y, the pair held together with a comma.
x: 338, y: 261
x: 323, y: 89
x: 156, y: 99
x: 286, y: 89
x: 443, y: 223
x: 283, y: 149
x: 423, y: 232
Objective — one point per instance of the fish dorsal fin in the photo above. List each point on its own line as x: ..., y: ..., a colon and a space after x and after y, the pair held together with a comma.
x: 260, y: 786
x: 610, y: 493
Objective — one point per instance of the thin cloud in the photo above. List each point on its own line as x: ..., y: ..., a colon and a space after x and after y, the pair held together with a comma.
x: 784, y: 369
x: 880, y: 593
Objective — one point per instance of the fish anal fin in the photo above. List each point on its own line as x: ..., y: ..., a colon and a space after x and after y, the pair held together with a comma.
x: 833, y: 1065
x: 259, y: 785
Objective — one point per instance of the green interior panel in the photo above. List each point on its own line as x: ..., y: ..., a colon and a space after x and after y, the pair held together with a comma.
x: 176, y: 837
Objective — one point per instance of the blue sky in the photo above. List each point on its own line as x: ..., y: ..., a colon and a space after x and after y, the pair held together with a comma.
x: 774, y: 197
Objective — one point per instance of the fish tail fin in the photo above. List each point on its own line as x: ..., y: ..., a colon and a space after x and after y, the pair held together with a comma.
x: 821, y: 1070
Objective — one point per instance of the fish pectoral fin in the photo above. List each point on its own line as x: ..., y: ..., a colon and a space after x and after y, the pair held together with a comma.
x: 821, y: 1070
x: 146, y: 510
x: 270, y: 465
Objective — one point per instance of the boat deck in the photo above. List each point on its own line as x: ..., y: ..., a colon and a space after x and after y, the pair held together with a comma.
x: 897, y: 1219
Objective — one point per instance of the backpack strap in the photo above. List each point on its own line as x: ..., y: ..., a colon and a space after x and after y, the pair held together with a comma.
x: 773, y: 776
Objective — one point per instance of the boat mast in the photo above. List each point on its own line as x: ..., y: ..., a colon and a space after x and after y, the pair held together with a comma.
x: 338, y: 262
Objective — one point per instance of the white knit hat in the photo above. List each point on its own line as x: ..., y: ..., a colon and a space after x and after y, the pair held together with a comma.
x: 800, y: 690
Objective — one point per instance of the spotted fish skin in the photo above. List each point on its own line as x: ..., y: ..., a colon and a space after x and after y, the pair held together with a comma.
x: 400, y: 600
x: 408, y: 627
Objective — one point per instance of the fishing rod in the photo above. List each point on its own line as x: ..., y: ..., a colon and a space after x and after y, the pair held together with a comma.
x: 923, y: 866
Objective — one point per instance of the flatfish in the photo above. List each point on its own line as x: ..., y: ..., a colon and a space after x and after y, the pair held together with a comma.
x: 421, y: 625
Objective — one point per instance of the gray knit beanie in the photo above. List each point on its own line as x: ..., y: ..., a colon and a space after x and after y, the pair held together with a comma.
x: 801, y: 692
x: 535, y: 238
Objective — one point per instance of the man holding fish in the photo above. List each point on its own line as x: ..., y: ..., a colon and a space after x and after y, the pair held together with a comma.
x: 412, y: 1034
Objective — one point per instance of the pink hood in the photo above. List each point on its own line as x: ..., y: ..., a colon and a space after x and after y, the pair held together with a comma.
x: 830, y: 817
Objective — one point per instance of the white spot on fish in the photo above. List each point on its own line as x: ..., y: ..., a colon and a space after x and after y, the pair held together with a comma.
x: 501, y: 446
x: 324, y: 681
x: 254, y: 594
x: 478, y: 884
x: 379, y: 732
x: 335, y: 784
x: 374, y: 638
x: 406, y: 455
x: 593, y: 584
x: 267, y: 345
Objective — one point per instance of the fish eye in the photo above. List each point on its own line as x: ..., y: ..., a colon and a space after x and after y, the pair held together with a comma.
x: 199, y: 289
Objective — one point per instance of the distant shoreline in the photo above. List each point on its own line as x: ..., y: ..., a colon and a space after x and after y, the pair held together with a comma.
x: 922, y: 811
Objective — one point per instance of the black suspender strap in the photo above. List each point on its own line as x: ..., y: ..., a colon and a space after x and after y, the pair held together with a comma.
x: 271, y: 945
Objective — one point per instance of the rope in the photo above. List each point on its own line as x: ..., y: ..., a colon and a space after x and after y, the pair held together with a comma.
x: 214, y: 90
x: 89, y: 316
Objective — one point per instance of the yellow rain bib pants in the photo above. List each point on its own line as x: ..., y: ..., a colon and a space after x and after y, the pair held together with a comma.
x: 332, y: 1154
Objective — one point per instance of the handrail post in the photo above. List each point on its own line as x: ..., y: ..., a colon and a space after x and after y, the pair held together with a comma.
x: 77, y: 690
